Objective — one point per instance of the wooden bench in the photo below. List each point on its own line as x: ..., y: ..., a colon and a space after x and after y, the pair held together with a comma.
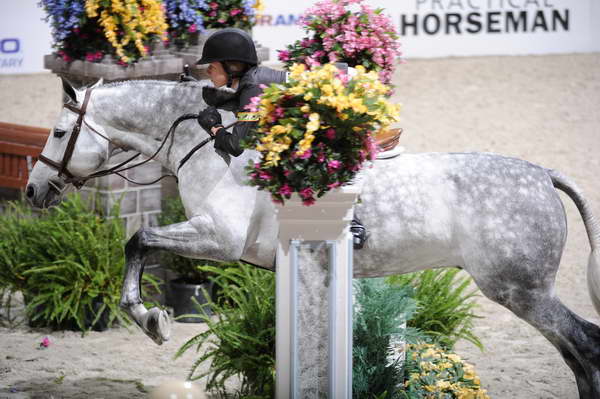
x: 20, y: 147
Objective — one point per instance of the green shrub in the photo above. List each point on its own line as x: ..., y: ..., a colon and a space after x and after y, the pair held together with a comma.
x: 186, y: 268
x: 445, y: 309
x: 432, y: 372
x: 380, y: 310
x: 240, y: 339
x: 68, y: 262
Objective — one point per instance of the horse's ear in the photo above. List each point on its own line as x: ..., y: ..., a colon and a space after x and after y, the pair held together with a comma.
x: 68, y: 91
x: 98, y: 83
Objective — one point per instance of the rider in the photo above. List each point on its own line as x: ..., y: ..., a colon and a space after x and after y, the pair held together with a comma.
x: 232, y: 60
x: 233, y: 63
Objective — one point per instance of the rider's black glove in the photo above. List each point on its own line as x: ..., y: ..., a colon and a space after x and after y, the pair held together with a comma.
x: 209, y: 118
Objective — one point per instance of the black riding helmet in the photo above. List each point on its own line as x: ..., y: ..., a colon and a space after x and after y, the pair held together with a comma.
x: 230, y: 44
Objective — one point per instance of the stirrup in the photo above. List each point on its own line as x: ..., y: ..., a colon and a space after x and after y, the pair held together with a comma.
x: 359, y: 233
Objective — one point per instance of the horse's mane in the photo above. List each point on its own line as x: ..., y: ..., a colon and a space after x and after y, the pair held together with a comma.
x: 152, y: 82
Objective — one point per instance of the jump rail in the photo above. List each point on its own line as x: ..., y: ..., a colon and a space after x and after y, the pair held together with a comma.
x: 20, y: 147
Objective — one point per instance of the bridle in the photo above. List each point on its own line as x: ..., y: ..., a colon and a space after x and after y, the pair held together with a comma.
x: 68, y: 177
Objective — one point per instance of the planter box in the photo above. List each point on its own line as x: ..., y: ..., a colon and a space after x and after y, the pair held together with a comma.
x: 179, y: 296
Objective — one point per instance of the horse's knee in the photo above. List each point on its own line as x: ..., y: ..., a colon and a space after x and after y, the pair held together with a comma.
x: 137, y: 244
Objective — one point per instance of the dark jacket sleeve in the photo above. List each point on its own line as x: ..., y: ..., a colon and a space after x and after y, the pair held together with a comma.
x: 230, y: 141
x: 249, y: 87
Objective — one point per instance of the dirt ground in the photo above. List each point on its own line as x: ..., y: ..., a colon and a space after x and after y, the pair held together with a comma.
x: 544, y: 109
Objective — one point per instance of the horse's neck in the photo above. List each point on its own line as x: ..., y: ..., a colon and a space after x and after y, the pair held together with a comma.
x: 137, y: 115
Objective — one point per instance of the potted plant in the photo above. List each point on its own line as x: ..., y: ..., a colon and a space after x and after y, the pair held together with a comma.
x: 67, y: 262
x: 190, y: 284
x: 316, y: 131
x: 108, y: 39
x: 346, y: 31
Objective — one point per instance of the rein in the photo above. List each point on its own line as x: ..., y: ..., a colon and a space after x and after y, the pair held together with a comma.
x: 78, y: 182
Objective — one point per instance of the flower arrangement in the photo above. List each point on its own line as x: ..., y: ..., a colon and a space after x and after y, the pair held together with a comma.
x: 184, y: 17
x: 430, y: 372
x: 231, y: 13
x: 90, y: 29
x: 315, y: 131
x: 129, y: 25
x: 337, y: 33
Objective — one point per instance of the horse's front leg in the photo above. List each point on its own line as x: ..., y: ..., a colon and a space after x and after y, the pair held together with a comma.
x: 194, y: 239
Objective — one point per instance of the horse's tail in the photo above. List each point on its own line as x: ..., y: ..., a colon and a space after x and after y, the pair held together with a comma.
x: 592, y: 227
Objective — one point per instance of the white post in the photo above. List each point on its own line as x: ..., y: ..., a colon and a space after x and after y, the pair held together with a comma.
x: 323, y: 224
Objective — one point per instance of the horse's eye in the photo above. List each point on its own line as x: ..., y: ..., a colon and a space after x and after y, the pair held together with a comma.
x: 58, y: 133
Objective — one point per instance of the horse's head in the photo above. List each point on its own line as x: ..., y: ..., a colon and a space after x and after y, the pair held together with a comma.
x: 72, y: 151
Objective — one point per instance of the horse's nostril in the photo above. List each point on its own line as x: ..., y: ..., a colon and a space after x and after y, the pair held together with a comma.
x: 30, y: 191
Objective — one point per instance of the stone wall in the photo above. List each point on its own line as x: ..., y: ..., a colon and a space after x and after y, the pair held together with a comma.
x: 140, y: 205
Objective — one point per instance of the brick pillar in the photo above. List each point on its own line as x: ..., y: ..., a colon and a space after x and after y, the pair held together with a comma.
x: 139, y: 205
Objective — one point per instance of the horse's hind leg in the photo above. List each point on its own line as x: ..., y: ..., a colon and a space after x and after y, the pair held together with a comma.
x: 577, y: 340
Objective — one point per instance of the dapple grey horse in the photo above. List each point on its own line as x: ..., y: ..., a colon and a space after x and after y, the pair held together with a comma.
x: 498, y: 218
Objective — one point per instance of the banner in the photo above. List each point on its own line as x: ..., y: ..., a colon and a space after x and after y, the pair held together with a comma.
x: 24, y: 37
x: 440, y: 28
x: 428, y: 28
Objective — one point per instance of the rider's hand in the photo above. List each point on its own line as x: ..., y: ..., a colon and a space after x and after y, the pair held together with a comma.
x: 209, y: 118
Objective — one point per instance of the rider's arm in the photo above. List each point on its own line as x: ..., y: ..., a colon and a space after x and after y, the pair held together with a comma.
x: 230, y: 141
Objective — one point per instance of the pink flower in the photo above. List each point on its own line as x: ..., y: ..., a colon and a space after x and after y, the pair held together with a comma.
x: 287, y: 172
x: 284, y: 55
x: 330, y: 133
x: 45, y: 342
x: 192, y: 28
x: 307, y: 42
x: 235, y: 12
x: 213, y: 5
x: 334, y: 185
x: 308, y: 201
x: 306, y: 154
x: 306, y: 192
x: 285, y: 190
x: 321, y: 157
x: 90, y: 57
x: 253, y: 105
x: 276, y: 200
x: 213, y: 13
x: 333, y: 165
x: 264, y: 175
x: 221, y: 20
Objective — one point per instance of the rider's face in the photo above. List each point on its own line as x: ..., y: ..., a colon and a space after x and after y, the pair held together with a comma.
x: 217, y: 74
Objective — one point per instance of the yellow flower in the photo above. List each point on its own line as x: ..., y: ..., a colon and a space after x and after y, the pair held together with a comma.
x: 296, y: 70
x: 305, y: 108
x: 314, y: 123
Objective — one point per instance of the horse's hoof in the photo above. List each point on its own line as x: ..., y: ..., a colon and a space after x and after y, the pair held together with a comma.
x: 158, y: 326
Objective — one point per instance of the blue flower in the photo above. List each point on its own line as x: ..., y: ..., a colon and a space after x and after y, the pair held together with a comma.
x: 64, y: 16
x: 182, y: 14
